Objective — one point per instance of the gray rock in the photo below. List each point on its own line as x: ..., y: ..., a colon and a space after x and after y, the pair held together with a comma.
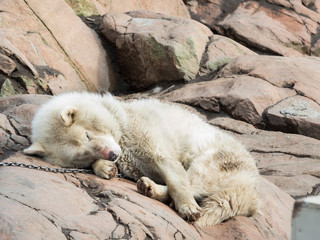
x: 296, y: 114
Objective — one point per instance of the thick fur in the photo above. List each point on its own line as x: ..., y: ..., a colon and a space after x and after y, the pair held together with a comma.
x: 173, y: 154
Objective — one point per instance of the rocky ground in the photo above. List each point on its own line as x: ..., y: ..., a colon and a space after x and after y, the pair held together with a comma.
x: 250, y: 68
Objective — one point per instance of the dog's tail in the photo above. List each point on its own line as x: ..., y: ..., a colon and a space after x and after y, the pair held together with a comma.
x: 236, y: 199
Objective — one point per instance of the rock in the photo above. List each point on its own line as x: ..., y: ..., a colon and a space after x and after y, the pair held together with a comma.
x: 45, y: 48
x: 84, y: 206
x: 244, y: 97
x: 174, y: 8
x: 91, y: 60
x: 83, y: 8
x: 48, y: 49
x: 298, y: 185
x: 11, y: 50
x: 252, y: 88
x: 296, y: 114
x: 16, y: 114
x: 220, y: 51
x: 153, y: 47
x: 299, y: 74
x: 275, y: 26
x: 7, y: 89
x: 7, y: 66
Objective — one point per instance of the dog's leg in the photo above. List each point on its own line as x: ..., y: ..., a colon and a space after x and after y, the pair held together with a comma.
x: 179, y: 188
x: 150, y: 155
x: 150, y: 189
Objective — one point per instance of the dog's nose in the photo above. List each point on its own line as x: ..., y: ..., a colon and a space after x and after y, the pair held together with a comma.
x: 108, y: 154
x: 112, y: 156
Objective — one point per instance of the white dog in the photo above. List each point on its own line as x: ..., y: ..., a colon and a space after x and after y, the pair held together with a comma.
x: 174, y: 155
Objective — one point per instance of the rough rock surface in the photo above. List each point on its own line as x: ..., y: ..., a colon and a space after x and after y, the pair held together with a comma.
x: 16, y: 113
x: 51, y: 56
x: 219, y: 52
x: 56, y: 206
x: 288, y: 28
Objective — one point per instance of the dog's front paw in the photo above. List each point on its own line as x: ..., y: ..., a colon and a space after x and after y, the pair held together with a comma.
x: 105, y: 169
x: 146, y: 187
x: 190, y: 212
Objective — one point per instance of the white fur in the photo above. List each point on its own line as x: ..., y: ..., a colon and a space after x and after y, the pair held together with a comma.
x: 208, y: 175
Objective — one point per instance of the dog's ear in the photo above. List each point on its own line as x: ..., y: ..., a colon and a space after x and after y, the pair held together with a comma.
x: 35, y: 149
x: 68, y: 115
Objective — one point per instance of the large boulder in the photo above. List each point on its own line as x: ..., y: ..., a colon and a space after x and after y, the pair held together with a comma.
x: 288, y: 28
x: 53, y: 50
x: 153, y: 47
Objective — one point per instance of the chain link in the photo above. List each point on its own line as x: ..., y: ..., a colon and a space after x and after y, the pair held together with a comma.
x: 46, y: 169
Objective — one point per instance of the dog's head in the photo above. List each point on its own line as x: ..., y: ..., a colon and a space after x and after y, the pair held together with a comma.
x: 74, y: 135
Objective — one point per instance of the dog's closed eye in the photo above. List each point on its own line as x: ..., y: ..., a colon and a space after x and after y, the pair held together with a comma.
x: 88, y: 137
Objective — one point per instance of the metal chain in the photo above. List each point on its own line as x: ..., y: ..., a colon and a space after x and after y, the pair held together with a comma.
x: 46, y: 169
x: 51, y: 169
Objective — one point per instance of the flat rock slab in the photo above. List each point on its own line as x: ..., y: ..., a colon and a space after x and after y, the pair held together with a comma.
x: 36, y: 205
x: 299, y: 74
